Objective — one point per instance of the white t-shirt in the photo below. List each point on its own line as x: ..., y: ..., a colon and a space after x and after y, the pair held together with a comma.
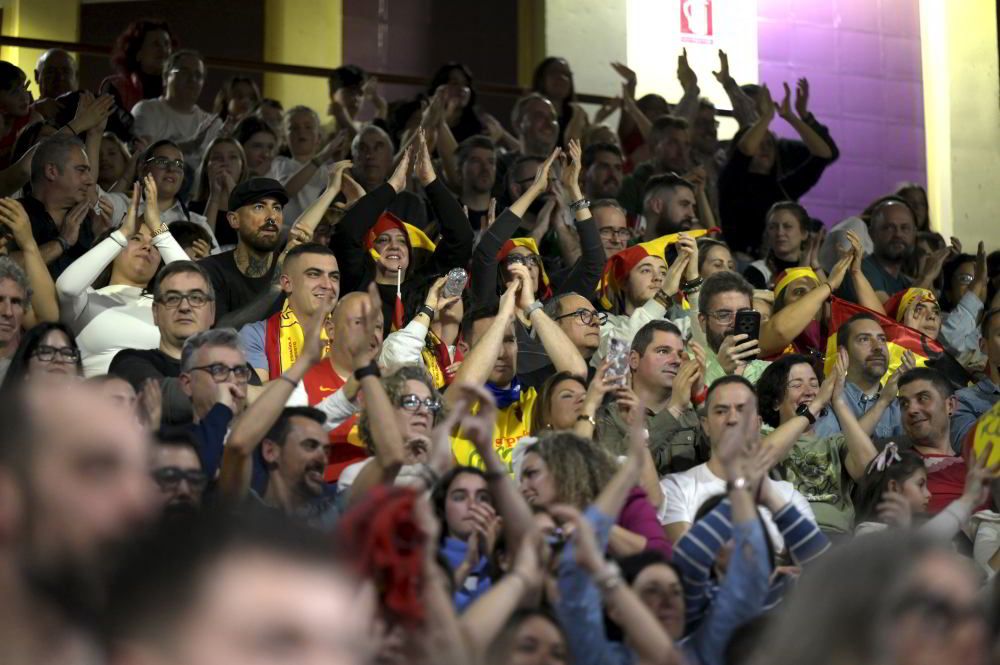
x: 155, y: 119
x: 684, y: 493
x: 282, y: 170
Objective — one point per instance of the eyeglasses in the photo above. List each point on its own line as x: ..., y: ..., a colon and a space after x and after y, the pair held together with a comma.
x: 172, y: 299
x: 188, y: 73
x: 168, y: 164
x: 222, y: 372
x: 587, y: 316
x: 965, y: 278
x: 524, y: 259
x: 722, y: 315
x: 412, y: 403
x: 612, y: 232
x: 169, y: 478
x: 47, y: 353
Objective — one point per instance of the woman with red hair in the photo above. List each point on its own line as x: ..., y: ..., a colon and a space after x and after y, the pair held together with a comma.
x: 138, y: 57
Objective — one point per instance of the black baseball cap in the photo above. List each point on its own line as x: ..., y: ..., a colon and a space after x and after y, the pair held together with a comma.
x: 256, y: 189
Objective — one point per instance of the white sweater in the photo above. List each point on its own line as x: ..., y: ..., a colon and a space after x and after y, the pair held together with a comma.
x: 115, y: 317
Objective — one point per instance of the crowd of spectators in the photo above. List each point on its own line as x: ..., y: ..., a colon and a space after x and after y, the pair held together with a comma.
x: 400, y: 382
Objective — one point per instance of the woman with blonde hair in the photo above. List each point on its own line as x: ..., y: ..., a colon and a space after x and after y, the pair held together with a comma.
x: 223, y: 166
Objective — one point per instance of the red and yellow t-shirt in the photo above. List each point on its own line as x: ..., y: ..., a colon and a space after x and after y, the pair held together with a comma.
x: 513, y: 422
x: 346, y: 449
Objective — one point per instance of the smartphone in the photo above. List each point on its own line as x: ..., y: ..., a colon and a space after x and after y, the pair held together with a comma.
x: 747, y: 323
x: 618, y: 352
x: 455, y: 284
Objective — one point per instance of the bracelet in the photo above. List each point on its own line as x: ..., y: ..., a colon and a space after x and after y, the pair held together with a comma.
x: 577, y: 206
x: 609, y: 578
x: 62, y: 243
x: 162, y: 228
x: 428, y: 475
x: 532, y: 308
x: 589, y: 418
x: 426, y: 309
x: 371, y: 369
x: 70, y: 125
x: 294, y: 384
x: 692, y: 284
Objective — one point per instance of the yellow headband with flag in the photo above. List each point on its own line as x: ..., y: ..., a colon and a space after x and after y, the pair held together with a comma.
x: 897, y: 305
x: 618, y: 267
x: 790, y: 275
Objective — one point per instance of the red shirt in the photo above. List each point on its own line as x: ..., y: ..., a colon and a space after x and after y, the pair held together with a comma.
x: 346, y: 449
x: 946, y: 476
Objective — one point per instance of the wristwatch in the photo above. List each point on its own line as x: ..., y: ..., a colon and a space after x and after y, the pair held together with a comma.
x: 162, y: 228
x: 530, y: 309
x: 579, y: 205
x: 803, y: 410
x: 736, y: 484
x: 428, y: 310
x: 589, y: 418
x: 608, y: 578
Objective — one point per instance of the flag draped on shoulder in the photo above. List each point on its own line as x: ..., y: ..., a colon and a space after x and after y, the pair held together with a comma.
x: 899, y: 338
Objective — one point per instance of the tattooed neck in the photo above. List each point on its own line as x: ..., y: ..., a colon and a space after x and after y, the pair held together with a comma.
x: 251, y: 263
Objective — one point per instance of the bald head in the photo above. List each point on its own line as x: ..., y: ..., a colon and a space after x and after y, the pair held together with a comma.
x: 55, y: 73
x: 348, y: 315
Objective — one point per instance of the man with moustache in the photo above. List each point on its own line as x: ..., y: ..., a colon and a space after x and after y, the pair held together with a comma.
x: 868, y: 357
x: 245, y: 272
x: 721, y: 296
x: 477, y: 166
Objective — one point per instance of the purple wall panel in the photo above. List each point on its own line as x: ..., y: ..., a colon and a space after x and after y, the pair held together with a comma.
x: 862, y: 59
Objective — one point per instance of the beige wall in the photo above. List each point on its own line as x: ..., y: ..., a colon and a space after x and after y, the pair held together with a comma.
x: 38, y: 19
x: 962, y: 117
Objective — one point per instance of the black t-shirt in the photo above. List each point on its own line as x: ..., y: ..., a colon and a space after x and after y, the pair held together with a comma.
x: 233, y: 289
x: 45, y: 230
x: 756, y: 277
x: 138, y: 365
x: 224, y: 233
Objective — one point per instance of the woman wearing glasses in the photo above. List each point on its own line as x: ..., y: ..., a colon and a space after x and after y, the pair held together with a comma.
x: 103, y: 294
x: 46, y: 352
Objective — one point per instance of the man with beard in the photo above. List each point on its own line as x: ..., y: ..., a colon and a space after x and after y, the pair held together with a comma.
x: 293, y: 440
x: 477, y: 165
x: 868, y: 358
x: 722, y: 295
x: 241, y: 274
x: 74, y: 483
x: 178, y: 474
x: 669, y: 205
x: 602, y: 171
x: 664, y: 378
x: 893, y: 229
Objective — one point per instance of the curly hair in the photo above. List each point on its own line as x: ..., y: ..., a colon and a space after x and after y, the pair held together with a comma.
x: 129, y: 42
x: 579, y: 467
x: 395, y: 385
x: 772, y: 385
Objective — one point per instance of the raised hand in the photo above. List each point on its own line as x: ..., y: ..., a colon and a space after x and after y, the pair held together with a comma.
x: 128, y: 226
x: 199, y: 249
x: 361, y: 331
x: 398, y: 178
x: 785, y: 109
x: 91, y: 111
x: 423, y: 166
x: 802, y: 97
x: 627, y: 74
x: 588, y: 553
x: 978, y: 476
x: 478, y: 427
x: 675, y: 271
x: 151, y: 403
x: 490, y: 217
x: 894, y: 509
x: 607, y: 109
x: 541, y: 181
x: 688, y: 79
x: 312, y: 345
x: 735, y: 353
x: 151, y: 215
x: 688, y: 248
x: 765, y: 105
x: 14, y: 217
x: 838, y: 272
x: 353, y: 190
x: 337, y: 174
x: 689, y: 374
x: 526, y: 294
x: 723, y: 76
x: 570, y: 176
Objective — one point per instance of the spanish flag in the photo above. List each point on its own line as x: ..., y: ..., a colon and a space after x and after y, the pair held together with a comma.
x: 618, y: 267
x: 543, y: 291
x: 899, y: 338
x: 416, y: 240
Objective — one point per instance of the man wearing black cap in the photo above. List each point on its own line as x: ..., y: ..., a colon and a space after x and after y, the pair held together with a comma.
x: 240, y: 275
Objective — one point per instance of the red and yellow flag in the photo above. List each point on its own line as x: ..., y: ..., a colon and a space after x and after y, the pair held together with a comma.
x: 899, y: 338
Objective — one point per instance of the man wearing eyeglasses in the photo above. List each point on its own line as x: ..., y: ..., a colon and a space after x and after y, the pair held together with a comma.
x: 612, y: 225
x: 722, y: 295
x: 214, y: 374
x: 178, y: 474
x: 183, y: 306
x: 176, y: 115
x: 580, y: 320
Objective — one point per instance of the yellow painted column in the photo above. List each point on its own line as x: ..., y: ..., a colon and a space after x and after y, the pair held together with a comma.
x: 302, y: 32
x: 961, y: 117
x: 38, y: 19
x: 530, y: 39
